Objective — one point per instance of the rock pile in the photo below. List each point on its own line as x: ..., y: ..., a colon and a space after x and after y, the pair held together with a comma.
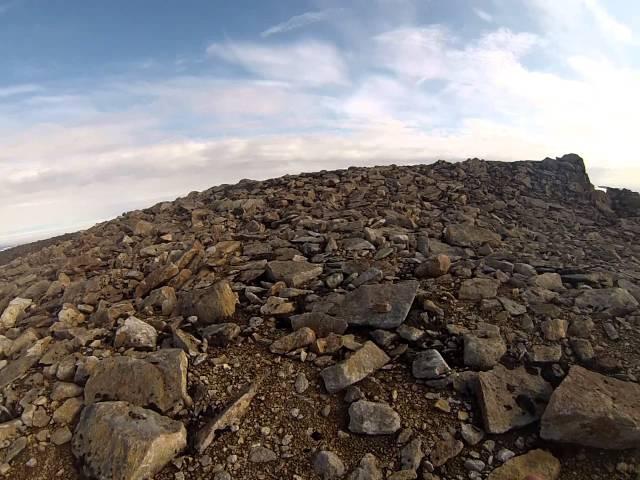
x: 475, y: 320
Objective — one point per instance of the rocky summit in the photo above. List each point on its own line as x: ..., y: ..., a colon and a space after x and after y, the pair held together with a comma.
x: 451, y: 321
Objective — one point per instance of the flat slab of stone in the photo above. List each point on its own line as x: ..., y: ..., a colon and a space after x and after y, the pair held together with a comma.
x: 294, y: 274
x: 358, y: 366
x: 467, y: 235
x: 593, y: 410
x: 120, y: 440
x: 616, y: 301
x: 156, y: 379
x: 511, y: 398
x: 477, y: 289
x: 536, y: 462
x: 157, y: 278
x: 319, y: 322
x: 232, y: 415
x: 380, y: 306
x: 373, y: 418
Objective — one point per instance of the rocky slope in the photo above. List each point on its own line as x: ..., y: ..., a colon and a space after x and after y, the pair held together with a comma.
x: 450, y: 321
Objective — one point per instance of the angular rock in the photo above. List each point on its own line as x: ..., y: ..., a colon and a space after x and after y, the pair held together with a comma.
x: 231, y: 415
x: 328, y: 466
x: 511, y: 398
x: 119, y: 440
x: 429, y: 365
x: 260, y: 454
x: 367, y: 469
x: 13, y: 312
x: 483, y: 350
x: 445, y: 450
x: 277, y: 306
x: 536, y: 464
x: 297, y: 339
x: 157, y: 379
x: 162, y: 300
x: 135, y: 333
x: 615, y: 301
x: 157, y: 278
x: 379, y: 306
x: 221, y: 334
x: 593, y: 410
x: 294, y: 274
x: 434, y: 267
x: 321, y: 323
x: 211, y: 305
x: 476, y: 289
x: 548, y: 281
x: 372, y: 418
x: 361, y: 364
x: 467, y: 235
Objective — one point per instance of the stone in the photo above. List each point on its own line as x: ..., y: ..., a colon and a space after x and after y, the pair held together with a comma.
x: 211, y: 305
x: 372, y: 418
x: 471, y: 434
x: 162, y: 300
x: 61, y: 435
x: 467, y: 235
x: 119, y: 440
x: 511, y: 398
x: 301, y: 383
x: 593, y: 410
x: 548, y: 281
x: 18, y: 367
x: 546, y: 353
x: 221, y: 334
x: 135, y: 333
x: 231, y: 415
x: 411, y: 455
x: 554, y: 329
x: 13, y: 312
x: 321, y: 323
x: 445, y: 449
x: 583, y: 349
x: 429, y: 365
x: 367, y: 469
x: 156, y: 278
x: 297, y: 339
x: 260, y: 454
x: 514, y: 308
x: 156, y: 379
x: 434, y: 267
x: 359, y: 365
x: 614, y: 301
x: 328, y: 466
x: 277, y: 306
x: 379, y: 306
x: 536, y: 463
x: 483, y: 350
x: 67, y: 413
x: 476, y: 289
x: 294, y: 274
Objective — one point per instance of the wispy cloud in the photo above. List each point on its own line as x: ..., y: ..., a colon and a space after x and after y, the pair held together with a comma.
x: 484, y: 15
x: 310, y: 62
x: 301, y: 21
x: 11, y: 90
x: 607, y: 23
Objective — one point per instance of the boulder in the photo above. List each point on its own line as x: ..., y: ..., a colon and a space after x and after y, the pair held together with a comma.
x: 593, y: 410
x: 13, y: 312
x: 483, y: 349
x: 429, y: 365
x: 211, y: 305
x: 379, y: 305
x: 120, y: 440
x: 511, y: 398
x: 467, y: 235
x: 157, y: 379
x: 135, y: 333
x: 367, y: 469
x: 160, y: 276
x: 615, y: 301
x: 373, y: 418
x: 476, y: 289
x: 361, y: 364
x: 328, y: 466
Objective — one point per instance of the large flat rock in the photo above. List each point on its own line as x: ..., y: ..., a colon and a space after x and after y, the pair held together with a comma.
x: 536, y: 464
x: 117, y: 440
x: 593, y: 410
x: 294, y: 274
x: 511, y: 398
x: 157, y: 379
x: 379, y: 305
x: 358, y: 366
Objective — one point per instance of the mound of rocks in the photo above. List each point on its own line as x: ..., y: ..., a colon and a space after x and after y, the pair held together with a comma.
x: 445, y: 321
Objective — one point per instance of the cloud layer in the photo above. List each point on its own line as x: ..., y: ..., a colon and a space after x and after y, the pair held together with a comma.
x: 404, y: 93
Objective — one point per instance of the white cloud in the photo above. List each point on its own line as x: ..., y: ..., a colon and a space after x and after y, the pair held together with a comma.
x: 311, y: 63
x: 11, y: 90
x: 609, y: 25
x: 301, y: 21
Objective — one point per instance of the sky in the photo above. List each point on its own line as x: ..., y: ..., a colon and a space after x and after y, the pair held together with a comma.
x: 109, y: 106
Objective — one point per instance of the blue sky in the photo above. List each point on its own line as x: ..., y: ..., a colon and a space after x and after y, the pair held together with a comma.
x: 107, y: 106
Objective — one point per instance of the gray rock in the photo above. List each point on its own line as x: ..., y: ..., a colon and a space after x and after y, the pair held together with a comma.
x: 554, y: 329
x: 319, y: 322
x: 467, y: 235
x: 294, y: 274
x: 211, y: 305
x: 411, y: 455
x: 260, y: 454
x: 373, y: 418
x: 157, y: 379
x: 548, y: 281
x: 119, y: 440
x: 511, y: 398
x: 361, y: 364
x: 379, y: 306
x: 614, y: 301
x: 471, y: 434
x: 301, y: 383
x: 328, y: 466
x: 483, y: 350
x: 297, y: 339
x: 367, y: 469
x: 135, y: 334
x: 593, y: 410
x: 445, y: 449
x: 429, y: 364
x: 546, y: 353
x: 434, y: 267
x: 476, y: 289
x: 221, y: 334
x: 13, y: 312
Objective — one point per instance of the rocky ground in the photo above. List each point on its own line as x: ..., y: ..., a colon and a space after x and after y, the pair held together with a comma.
x: 450, y: 321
